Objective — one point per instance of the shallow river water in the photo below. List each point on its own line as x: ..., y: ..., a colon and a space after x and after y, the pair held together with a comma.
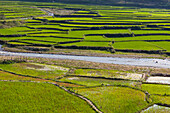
x: 164, y: 80
x: 0, y: 47
x: 156, y: 109
x: 160, y: 63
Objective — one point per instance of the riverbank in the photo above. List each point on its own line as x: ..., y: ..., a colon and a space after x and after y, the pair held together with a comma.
x: 96, y: 53
x: 146, y: 62
x: 92, y: 65
x: 91, y: 60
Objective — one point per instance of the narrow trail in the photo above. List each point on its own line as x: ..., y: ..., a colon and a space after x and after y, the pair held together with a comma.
x: 72, y: 93
x: 87, y: 100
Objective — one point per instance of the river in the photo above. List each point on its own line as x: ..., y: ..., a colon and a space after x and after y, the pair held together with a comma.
x: 0, y: 47
x: 149, y: 62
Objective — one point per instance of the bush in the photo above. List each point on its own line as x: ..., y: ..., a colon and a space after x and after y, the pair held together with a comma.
x: 8, y: 24
x: 2, y: 16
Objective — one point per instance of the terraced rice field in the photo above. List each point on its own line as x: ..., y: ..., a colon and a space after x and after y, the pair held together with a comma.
x: 112, y: 28
x: 68, y: 86
x: 15, y: 10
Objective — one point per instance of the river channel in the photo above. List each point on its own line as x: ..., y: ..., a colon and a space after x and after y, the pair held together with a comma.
x: 149, y: 62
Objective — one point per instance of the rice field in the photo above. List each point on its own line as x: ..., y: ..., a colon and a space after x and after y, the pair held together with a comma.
x: 39, y: 97
x: 124, y: 29
x: 64, y: 86
x: 115, y: 99
x: 36, y: 70
x: 103, y: 87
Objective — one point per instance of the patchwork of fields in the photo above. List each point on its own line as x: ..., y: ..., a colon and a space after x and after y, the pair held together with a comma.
x: 69, y: 86
x: 53, y: 86
x: 108, y: 28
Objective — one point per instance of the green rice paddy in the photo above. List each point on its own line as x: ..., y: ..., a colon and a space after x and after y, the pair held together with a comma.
x: 115, y: 99
x: 131, y: 28
x: 29, y: 82
x: 39, y: 97
x: 36, y: 70
x: 26, y: 86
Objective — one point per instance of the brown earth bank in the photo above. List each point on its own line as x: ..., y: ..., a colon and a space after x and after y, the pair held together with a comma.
x: 91, y: 65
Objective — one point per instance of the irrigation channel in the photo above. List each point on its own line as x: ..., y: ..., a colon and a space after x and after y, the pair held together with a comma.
x: 149, y: 62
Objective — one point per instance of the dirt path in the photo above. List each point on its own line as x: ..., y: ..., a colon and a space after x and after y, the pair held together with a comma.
x: 87, y: 100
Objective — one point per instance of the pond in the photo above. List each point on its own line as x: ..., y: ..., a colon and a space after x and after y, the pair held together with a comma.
x: 164, y: 80
x: 156, y: 109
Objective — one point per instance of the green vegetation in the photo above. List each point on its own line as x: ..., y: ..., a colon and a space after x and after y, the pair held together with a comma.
x: 91, y: 28
x: 115, y: 99
x: 36, y: 70
x: 38, y: 97
x: 156, y: 89
x: 98, y: 82
x: 111, y: 93
x: 163, y: 45
x: 161, y: 99
x: 9, y: 76
x: 117, y: 74
x: 26, y: 83
x: 136, y: 45
x: 89, y: 44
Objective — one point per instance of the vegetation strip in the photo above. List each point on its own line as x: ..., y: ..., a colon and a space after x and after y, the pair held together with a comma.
x: 38, y: 77
x: 107, y: 78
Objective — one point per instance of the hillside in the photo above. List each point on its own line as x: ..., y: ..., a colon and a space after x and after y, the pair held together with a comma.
x: 140, y: 3
x: 84, y: 58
